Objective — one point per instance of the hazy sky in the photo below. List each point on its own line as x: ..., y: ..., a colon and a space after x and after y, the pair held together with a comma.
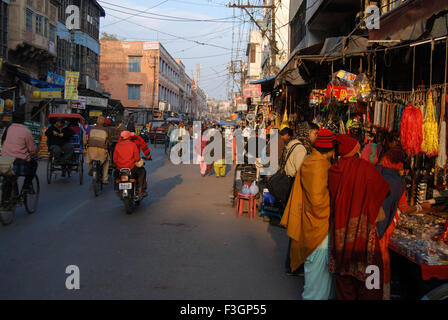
x: 142, y: 20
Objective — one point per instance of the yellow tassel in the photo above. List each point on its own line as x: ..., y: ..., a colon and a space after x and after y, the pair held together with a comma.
x: 430, y: 144
x: 285, y: 122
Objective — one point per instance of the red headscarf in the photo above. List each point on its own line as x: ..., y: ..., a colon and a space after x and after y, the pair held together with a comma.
x: 357, y: 192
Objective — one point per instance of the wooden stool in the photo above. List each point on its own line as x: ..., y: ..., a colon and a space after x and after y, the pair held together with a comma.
x: 252, y: 213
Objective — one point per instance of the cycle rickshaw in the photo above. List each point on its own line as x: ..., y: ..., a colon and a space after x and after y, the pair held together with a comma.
x: 76, y: 123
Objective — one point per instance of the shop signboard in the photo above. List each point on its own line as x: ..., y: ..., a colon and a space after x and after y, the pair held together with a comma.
x: 56, y: 79
x: 80, y: 103
x: 51, y: 93
x: 96, y: 102
x: 71, y: 85
x: 95, y: 114
x: 252, y: 91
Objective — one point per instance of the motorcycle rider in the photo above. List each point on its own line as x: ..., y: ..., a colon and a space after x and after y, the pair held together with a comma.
x: 127, y: 155
x: 141, y: 144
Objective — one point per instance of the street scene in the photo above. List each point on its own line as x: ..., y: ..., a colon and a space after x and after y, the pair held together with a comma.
x: 206, y: 150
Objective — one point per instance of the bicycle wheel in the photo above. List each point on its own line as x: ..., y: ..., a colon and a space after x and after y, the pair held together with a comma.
x: 81, y: 168
x: 31, y: 199
x: 8, y: 207
x: 96, y: 181
x: 49, y: 169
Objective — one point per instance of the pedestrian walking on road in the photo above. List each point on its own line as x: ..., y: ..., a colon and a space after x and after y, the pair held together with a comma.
x: 357, y: 192
x: 307, y: 217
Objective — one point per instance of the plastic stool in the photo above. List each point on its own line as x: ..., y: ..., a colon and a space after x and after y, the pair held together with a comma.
x: 252, y: 213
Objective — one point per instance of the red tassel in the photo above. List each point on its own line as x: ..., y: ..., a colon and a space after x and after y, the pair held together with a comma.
x: 411, y: 130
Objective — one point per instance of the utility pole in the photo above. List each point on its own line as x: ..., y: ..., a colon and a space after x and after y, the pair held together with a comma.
x: 272, y: 38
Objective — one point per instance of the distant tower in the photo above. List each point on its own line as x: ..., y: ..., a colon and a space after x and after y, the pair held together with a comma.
x: 198, y: 74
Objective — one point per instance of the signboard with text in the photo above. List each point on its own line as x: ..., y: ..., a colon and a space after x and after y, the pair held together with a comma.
x: 71, y: 85
x: 252, y: 91
x: 80, y: 103
x: 51, y: 93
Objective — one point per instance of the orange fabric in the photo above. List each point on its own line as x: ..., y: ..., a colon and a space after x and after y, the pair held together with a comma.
x: 307, y: 212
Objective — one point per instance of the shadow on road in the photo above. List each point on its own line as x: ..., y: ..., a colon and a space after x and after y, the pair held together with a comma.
x: 163, y: 188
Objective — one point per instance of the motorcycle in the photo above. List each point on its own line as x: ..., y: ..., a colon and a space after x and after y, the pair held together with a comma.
x: 145, y: 135
x: 126, y: 189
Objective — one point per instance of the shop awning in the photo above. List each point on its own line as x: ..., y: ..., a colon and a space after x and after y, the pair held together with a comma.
x: 36, y: 83
x: 263, y: 81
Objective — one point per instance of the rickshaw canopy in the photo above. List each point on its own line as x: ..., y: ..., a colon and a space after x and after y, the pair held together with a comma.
x: 67, y: 116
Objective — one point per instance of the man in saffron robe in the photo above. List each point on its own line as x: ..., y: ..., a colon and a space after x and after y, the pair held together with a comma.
x: 306, y: 218
x: 357, y: 192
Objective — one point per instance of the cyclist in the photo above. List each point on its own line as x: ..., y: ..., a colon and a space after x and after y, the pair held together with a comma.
x: 18, y: 142
x: 99, y: 140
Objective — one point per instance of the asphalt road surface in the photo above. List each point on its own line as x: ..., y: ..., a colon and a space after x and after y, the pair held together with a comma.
x: 183, y: 242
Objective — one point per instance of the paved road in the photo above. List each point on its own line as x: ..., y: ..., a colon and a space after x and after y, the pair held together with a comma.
x: 182, y: 243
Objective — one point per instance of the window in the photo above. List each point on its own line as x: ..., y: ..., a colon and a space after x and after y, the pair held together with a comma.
x: 29, y: 20
x: 134, y: 91
x: 52, y: 33
x: 135, y: 64
x: 298, y: 28
x: 38, y: 24
x: 29, y: 3
x: 46, y: 28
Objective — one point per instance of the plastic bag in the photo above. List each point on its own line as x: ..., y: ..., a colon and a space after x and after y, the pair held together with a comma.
x: 245, y: 190
x: 254, y: 188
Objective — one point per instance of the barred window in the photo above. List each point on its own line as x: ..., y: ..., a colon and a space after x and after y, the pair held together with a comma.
x: 52, y: 33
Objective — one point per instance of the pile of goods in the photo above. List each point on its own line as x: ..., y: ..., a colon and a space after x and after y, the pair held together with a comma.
x: 414, y: 237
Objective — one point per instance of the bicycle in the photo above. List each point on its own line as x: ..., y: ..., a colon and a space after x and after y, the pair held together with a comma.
x: 97, y: 177
x: 10, y: 197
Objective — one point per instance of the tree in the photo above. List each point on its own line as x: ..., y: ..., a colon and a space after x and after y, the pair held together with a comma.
x: 108, y: 37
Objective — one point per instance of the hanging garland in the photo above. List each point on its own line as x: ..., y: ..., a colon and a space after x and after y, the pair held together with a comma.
x: 441, y: 160
x: 430, y: 144
x: 411, y: 135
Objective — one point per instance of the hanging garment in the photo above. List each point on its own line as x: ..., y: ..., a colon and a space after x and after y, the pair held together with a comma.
x: 411, y: 130
x: 441, y: 159
x: 430, y: 144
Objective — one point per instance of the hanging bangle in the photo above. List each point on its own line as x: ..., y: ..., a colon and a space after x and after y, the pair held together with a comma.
x: 418, y: 207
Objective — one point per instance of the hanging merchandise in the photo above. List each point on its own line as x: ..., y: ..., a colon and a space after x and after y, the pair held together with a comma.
x: 285, y: 123
x: 441, y: 159
x: 362, y: 87
x: 430, y: 144
x: 411, y: 130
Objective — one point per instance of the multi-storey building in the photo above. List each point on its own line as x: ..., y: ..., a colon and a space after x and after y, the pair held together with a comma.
x: 281, y: 36
x: 32, y: 29
x: 86, y: 42
x: 145, y: 77
x: 254, y: 55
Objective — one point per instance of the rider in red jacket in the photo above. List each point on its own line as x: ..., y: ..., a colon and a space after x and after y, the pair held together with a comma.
x: 141, y: 144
